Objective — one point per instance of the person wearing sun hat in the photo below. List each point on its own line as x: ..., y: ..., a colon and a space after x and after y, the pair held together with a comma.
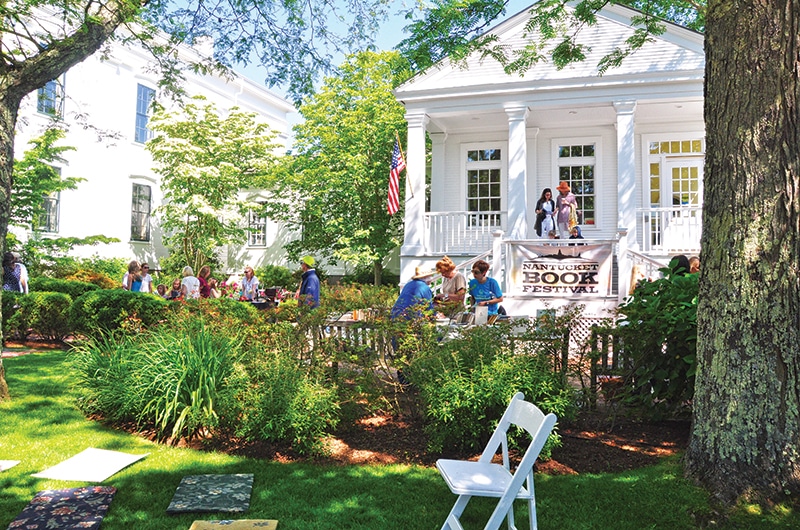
x: 308, y: 294
x: 415, y: 297
x: 565, y: 203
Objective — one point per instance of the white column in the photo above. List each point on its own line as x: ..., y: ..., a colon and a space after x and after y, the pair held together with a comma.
x: 517, y: 173
x: 415, y: 186
x: 626, y: 170
x: 438, y: 191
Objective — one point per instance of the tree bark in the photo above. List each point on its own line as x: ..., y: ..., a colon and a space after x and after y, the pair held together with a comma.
x: 746, y: 425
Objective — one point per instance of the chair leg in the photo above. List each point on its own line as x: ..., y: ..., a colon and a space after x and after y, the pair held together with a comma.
x: 452, y: 522
x: 532, y: 513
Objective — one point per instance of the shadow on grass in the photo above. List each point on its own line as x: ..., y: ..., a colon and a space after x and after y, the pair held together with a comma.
x: 43, y: 430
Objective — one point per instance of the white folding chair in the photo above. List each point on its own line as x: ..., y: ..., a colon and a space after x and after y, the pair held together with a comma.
x: 485, y: 479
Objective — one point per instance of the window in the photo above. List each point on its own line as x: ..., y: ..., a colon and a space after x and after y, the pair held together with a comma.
x: 675, y: 172
x: 576, y: 166
x: 48, y: 219
x: 484, y: 186
x: 144, y: 98
x: 140, y: 213
x: 49, y: 100
x: 256, y: 229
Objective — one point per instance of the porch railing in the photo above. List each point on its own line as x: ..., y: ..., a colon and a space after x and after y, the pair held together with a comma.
x: 672, y: 230
x: 461, y: 232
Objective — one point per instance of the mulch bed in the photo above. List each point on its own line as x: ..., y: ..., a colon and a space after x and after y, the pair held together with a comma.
x: 596, y: 442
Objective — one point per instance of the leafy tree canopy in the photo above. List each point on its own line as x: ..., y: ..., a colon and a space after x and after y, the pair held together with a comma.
x: 337, y: 179
x: 35, y: 177
x: 454, y: 29
x: 204, y: 160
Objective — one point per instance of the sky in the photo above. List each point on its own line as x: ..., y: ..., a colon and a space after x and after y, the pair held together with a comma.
x: 390, y: 34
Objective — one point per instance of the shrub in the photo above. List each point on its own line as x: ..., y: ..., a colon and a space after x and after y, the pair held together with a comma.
x: 272, y: 398
x: 467, y: 382
x: 15, y: 323
x: 101, y: 280
x: 70, y: 287
x: 275, y: 276
x: 110, y: 309
x: 42, y: 314
x: 170, y: 380
x: 658, y: 326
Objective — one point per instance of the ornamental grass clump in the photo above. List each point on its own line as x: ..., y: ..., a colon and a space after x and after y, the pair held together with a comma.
x: 168, y: 380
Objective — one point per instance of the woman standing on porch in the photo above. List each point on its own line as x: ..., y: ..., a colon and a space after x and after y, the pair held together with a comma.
x: 565, y: 202
x: 545, y: 208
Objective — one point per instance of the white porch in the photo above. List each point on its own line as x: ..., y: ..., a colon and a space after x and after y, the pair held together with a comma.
x: 663, y: 231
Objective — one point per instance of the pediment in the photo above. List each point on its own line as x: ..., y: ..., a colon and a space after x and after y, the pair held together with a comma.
x: 676, y: 54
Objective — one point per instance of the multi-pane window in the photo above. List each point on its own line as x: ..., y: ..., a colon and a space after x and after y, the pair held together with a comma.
x: 144, y: 98
x: 684, y: 186
x: 256, y: 229
x: 576, y: 166
x: 48, y: 99
x: 48, y: 219
x: 140, y: 212
x: 484, y: 187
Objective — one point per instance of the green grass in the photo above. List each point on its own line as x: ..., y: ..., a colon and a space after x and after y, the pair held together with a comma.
x: 41, y: 426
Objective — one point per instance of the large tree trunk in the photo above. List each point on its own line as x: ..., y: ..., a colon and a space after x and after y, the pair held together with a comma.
x: 27, y: 72
x: 746, y: 430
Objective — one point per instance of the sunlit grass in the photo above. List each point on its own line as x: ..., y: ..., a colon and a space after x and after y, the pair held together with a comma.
x: 41, y: 426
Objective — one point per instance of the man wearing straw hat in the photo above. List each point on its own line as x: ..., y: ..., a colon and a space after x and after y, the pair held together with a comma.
x: 415, y: 297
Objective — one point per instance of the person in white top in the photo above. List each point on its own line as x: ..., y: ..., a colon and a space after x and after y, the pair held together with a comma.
x: 23, y: 273
x: 249, y: 284
x: 147, y: 280
x: 190, y: 285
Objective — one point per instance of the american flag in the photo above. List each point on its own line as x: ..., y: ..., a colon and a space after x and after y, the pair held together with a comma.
x: 398, y: 165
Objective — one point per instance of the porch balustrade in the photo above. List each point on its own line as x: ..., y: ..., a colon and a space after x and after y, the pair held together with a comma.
x: 672, y: 230
x: 462, y: 232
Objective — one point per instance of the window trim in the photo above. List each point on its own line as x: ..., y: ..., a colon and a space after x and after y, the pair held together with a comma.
x: 54, y: 198
x: 148, y: 133
x: 662, y: 158
x: 556, y: 144
x: 148, y: 214
x: 263, y: 232
x: 57, y: 100
x: 502, y: 164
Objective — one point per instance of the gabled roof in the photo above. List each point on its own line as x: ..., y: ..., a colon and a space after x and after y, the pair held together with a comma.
x: 676, y: 54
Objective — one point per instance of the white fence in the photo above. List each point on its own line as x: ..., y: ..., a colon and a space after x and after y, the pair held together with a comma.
x: 674, y: 230
x: 461, y: 232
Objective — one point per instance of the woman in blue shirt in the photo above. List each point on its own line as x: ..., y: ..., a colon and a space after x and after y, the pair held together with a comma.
x: 484, y: 290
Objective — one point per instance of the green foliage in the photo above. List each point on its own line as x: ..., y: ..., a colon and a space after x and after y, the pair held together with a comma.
x: 36, y: 177
x: 111, y: 309
x: 338, y: 172
x: 658, y: 327
x: 276, y: 276
x: 45, y: 314
x: 171, y: 380
x: 455, y: 29
x: 272, y: 398
x: 71, y: 287
x: 204, y: 161
x: 466, y: 384
x: 51, y: 257
x: 365, y: 275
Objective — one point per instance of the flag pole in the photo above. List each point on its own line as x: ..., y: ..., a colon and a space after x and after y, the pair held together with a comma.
x: 400, y: 145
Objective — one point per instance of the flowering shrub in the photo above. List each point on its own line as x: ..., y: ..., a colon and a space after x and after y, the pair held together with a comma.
x: 229, y: 290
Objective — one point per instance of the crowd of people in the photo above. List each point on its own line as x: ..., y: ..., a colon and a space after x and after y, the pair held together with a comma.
x: 203, y: 285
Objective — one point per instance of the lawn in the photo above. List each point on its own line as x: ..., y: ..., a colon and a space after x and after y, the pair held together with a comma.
x: 41, y: 426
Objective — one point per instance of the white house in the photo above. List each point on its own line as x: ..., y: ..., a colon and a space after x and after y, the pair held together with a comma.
x: 630, y: 143
x: 105, y: 102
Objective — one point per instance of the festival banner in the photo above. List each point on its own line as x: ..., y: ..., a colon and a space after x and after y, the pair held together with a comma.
x: 578, y: 271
